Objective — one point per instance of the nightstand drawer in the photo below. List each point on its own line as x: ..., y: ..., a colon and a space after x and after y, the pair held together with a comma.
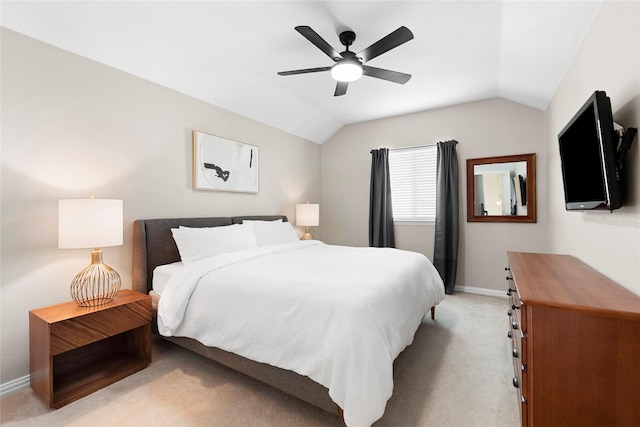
x: 72, y: 333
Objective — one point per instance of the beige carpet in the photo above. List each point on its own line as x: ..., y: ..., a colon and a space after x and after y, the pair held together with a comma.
x: 456, y: 373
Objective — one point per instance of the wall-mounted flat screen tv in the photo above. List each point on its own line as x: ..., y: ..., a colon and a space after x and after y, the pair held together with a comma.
x: 588, y: 153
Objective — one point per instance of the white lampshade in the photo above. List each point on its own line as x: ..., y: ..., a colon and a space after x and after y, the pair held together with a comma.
x: 89, y: 223
x: 347, y: 70
x: 308, y: 215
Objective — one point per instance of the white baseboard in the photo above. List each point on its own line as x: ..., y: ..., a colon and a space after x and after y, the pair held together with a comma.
x: 482, y: 291
x: 14, y: 386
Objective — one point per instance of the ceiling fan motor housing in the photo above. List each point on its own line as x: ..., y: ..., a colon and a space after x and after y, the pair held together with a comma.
x: 347, y: 38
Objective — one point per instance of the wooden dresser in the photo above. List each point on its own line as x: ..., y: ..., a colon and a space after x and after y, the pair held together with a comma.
x: 575, y: 343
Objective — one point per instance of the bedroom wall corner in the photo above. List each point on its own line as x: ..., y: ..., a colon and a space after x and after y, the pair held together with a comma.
x: 487, y: 128
x: 72, y: 126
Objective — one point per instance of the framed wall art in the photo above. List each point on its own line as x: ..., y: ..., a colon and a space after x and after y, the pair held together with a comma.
x: 224, y: 165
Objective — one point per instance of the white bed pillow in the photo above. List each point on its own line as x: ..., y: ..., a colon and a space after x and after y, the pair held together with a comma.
x: 197, y: 243
x: 272, y: 232
x: 162, y: 274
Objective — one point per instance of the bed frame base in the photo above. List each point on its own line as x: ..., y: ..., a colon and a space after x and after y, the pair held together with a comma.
x: 302, y: 387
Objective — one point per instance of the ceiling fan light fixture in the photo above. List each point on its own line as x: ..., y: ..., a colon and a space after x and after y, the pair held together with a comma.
x: 348, y: 65
x: 347, y: 70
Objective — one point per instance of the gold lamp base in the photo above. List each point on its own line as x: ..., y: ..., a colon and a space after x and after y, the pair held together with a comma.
x: 97, y: 284
x: 306, y: 235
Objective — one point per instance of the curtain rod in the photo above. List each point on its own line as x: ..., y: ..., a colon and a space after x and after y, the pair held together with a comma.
x: 417, y: 146
x: 408, y: 148
x: 422, y: 145
x: 414, y: 146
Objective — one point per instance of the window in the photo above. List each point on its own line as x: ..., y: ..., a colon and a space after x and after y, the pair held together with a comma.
x: 413, y: 183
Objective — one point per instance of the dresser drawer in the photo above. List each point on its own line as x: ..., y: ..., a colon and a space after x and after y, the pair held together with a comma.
x: 518, y: 357
x: 516, y: 316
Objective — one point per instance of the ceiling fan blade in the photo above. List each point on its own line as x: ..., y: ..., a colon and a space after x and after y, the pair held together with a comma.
x: 385, y: 44
x: 381, y: 73
x: 318, y: 41
x: 341, y: 88
x: 303, y: 71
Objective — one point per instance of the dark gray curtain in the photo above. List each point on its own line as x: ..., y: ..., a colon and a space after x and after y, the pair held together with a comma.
x: 445, y: 250
x: 380, y: 213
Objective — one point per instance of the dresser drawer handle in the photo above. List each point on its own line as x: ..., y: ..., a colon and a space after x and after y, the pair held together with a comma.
x: 509, y: 313
x: 514, y: 325
x: 516, y: 382
x: 509, y: 291
x: 515, y: 353
x: 515, y: 307
x: 509, y: 334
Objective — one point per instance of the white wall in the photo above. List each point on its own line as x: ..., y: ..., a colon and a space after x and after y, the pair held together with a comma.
x: 609, y: 60
x: 483, y: 129
x: 71, y: 126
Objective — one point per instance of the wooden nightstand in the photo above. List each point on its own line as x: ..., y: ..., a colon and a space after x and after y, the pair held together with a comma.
x: 75, y: 350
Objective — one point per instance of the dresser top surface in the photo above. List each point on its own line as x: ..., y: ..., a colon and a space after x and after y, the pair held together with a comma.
x: 565, y: 281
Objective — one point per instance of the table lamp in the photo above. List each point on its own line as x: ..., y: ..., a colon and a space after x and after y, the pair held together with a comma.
x: 91, y: 223
x: 307, y: 215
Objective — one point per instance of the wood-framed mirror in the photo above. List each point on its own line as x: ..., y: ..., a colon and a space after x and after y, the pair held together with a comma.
x: 502, y: 189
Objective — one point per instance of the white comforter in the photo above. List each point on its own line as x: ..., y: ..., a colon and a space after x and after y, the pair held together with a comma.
x: 339, y: 315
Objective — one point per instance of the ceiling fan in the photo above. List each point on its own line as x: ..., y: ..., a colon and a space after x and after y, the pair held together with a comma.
x: 349, y: 66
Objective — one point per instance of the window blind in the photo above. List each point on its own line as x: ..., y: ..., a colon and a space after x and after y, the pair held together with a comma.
x: 412, y: 173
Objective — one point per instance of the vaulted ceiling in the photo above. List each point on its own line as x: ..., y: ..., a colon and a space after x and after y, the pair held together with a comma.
x: 228, y: 53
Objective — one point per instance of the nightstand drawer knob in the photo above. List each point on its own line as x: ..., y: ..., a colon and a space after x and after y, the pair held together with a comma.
x: 509, y: 313
x: 515, y: 353
x: 516, y: 382
x: 514, y: 325
x: 509, y: 334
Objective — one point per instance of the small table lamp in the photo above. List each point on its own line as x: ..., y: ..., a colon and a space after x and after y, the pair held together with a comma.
x: 91, y: 223
x: 307, y: 215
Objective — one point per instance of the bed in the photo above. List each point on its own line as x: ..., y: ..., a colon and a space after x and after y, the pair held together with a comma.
x: 349, y: 368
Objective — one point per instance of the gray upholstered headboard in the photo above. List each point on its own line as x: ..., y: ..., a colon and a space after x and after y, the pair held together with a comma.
x: 153, y: 243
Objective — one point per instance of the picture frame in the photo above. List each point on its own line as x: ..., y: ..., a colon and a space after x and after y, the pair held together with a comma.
x: 222, y: 164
